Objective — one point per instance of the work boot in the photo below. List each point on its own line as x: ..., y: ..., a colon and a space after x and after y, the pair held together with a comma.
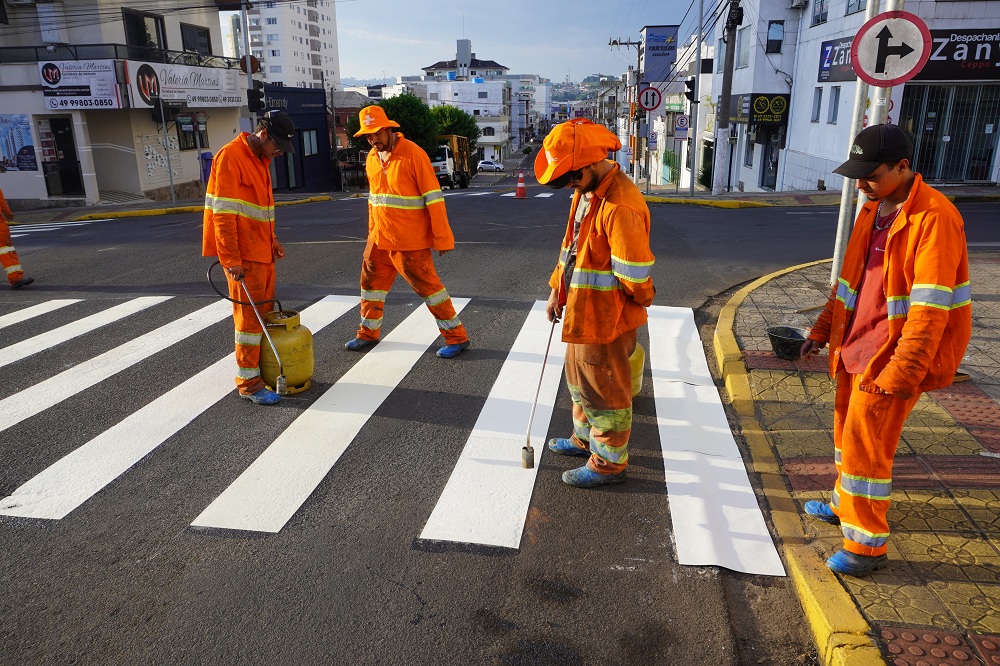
x: 584, y: 477
x: 359, y: 344
x: 262, y: 397
x: 23, y: 282
x: 566, y: 447
x: 821, y: 511
x: 852, y: 564
x: 449, y: 351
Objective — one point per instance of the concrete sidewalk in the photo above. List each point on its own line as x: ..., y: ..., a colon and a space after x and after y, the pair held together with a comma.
x: 938, y: 601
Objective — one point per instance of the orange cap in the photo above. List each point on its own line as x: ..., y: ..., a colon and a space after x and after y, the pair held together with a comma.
x: 573, y: 144
x: 373, y: 119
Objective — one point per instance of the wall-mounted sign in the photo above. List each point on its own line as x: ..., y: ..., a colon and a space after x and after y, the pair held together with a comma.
x: 196, y: 86
x: 759, y: 108
x: 17, y: 148
x: 79, y: 84
x: 835, y: 61
x: 962, y: 55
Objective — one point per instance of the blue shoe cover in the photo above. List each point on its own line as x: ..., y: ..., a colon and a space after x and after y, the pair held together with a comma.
x: 566, y: 447
x: 821, y: 511
x: 448, y: 351
x: 584, y: 477
x: 852, y: 564
x: 262, y: 397
x: 357, y: 344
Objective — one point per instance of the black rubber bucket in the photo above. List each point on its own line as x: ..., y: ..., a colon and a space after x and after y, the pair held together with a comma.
x: 787, y: 341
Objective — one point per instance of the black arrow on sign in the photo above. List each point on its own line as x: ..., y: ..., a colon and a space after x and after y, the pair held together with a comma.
x: 884, y: 50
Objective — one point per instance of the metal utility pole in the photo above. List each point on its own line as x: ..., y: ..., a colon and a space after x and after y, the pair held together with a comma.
x: 244, y: 5
x: 634, y: 104
x: 697, y: 91
x: 722, y: 146
x: 847, y: 215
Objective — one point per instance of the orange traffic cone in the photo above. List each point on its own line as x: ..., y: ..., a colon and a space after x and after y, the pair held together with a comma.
x: 520, y: 192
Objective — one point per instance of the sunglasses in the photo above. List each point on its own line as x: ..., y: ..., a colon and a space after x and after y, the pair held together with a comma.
x: 566, y: 179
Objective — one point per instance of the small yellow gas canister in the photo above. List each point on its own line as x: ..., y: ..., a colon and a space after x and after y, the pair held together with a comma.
x: 637, y: 360
x: 295, y: 347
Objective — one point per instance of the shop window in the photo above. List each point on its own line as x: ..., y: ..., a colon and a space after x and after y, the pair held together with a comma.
x: 820, y: 10
x: 196, y: 39
x: 834, y: 108
x: 775, y: 36
x: 817, y: 103
x: 144, y: 29
x: 855, y: 6
x: 310, y: 145
x: 186, y: 137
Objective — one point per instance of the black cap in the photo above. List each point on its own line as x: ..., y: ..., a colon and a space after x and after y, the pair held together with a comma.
x: 279, y: 127
x: 873, y: 146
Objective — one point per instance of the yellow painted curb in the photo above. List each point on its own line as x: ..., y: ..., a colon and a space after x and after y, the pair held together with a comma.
x: 714, y: 203
x: 180, y: 209
x: 841, y: 634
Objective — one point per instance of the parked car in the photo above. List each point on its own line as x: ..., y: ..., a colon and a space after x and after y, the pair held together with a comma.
x: 490, y: 165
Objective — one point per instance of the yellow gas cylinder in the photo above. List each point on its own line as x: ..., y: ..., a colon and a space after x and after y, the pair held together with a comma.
x: 637, y: 360
x: 295, y: 347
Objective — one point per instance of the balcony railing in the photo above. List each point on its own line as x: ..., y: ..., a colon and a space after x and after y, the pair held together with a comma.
x: 13, y: 54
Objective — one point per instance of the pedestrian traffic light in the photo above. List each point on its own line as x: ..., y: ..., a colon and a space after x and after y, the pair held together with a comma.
x: 255, y: 96
x: 689, y: 93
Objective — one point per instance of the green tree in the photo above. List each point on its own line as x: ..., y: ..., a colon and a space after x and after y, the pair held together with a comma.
x: 415, y: 122
x: 455, y: 121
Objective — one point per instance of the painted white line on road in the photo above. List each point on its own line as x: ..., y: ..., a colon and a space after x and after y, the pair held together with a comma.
x: 544, y: 195
x: 487, y: 497
x: 36, y: 310
x: 481, y: 194
x: 55, y: 389
x: 983, y: 244
x: 713, y: 508
x: 77, y: 477
x: 43, y: 341
x: 509, y: 194
x: 283, y: 477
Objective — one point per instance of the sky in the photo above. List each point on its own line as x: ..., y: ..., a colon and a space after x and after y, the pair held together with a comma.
x: 553, y: 39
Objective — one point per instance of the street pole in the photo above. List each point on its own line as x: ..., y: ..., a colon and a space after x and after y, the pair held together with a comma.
x: 847, y: 215
x: 722, y: 112
x: 695, y: 103
x: 244, y: 5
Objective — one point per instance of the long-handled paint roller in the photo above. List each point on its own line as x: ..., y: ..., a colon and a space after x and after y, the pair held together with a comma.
x: 281, y: 384
x: 528, y: 453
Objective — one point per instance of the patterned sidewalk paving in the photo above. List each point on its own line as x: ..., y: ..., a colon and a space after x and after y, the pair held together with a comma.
x: 938, y: 601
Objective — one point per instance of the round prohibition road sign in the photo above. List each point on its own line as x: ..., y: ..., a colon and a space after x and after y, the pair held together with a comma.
x: 649, y: 99
x: 891, y: 49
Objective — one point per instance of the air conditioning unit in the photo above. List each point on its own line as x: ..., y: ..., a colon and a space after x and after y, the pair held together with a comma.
x: 798, y: 4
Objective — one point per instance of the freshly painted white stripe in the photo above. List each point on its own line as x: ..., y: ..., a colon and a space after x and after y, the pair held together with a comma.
x: 74, y: 479
x: 481, y: 194
x: 544, y: 195
x: 55, y: 389
x: 39, y: 343
x: 35, y: 311
x: 713, y: 508
x: 487, y: 497
x: 451, y: 194
x: 509, y: 194
x: 272, y: 489
x: 50, y: 226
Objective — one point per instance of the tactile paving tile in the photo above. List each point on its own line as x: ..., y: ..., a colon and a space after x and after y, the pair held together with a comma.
x: 925, y: 647
x: 989, y: 648
x: 766, y: 360
x: 819, y: 473
x: 973, y: 409
x: 964, y: 471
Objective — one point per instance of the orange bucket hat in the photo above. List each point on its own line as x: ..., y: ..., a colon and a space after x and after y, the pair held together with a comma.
x: 573, y: 144
x: 373, y: 119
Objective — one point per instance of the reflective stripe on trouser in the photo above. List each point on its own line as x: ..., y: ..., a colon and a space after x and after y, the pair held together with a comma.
x: 378, y: 271
x: 259, y: 279
x: 8, y: 257
x: 600, y: 382
x: 866, y: 430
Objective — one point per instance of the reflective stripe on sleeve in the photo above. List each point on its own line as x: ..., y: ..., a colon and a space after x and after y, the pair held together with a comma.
x: 931, y: 296
x: 585, y: 278
x: 224, y: 205
x: 846, y: 295
x: 631, y: 271
x: 432, y: 197
x: 962, y: 295
x: 898, y: 306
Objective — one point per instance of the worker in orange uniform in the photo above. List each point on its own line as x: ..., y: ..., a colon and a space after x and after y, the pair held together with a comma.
x: 239, y: 229
x: 406, y: 220
x: 8, y: 256
x: 898, y: 322
x: 603, y: 279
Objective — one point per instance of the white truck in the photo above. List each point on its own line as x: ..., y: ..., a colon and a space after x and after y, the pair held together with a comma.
x: 451, y: 161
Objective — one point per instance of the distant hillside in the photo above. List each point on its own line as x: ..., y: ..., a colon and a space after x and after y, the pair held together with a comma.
x: 351, y: 81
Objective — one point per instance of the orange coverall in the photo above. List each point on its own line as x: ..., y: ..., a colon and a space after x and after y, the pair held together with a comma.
x: 239, y: 229
x: 8, y: 257
x: 606, y: 302
x: 406, y: 219
x: 929, y: 297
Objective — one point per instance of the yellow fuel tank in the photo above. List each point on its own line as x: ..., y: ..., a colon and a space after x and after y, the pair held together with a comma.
x: 637, y: 360
x: 295, y: 347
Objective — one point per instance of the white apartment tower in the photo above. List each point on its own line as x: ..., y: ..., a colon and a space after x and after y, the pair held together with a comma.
x: 296, y: 43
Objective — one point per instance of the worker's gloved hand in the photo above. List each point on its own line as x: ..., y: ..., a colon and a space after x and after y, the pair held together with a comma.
x: 235, y: 272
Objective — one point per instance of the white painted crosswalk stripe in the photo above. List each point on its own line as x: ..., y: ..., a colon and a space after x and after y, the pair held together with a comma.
x: 544, y: 195
x: 487, y: 497
x: 52, y: 391
x: 273, y: 488
x: 43, y: 341
x: 77, y: 477
x: 714, y: 511
x: 35, y: 311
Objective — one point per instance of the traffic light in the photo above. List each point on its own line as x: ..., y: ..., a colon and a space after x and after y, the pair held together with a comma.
x: 255, y: 97
x: 689, y: 93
